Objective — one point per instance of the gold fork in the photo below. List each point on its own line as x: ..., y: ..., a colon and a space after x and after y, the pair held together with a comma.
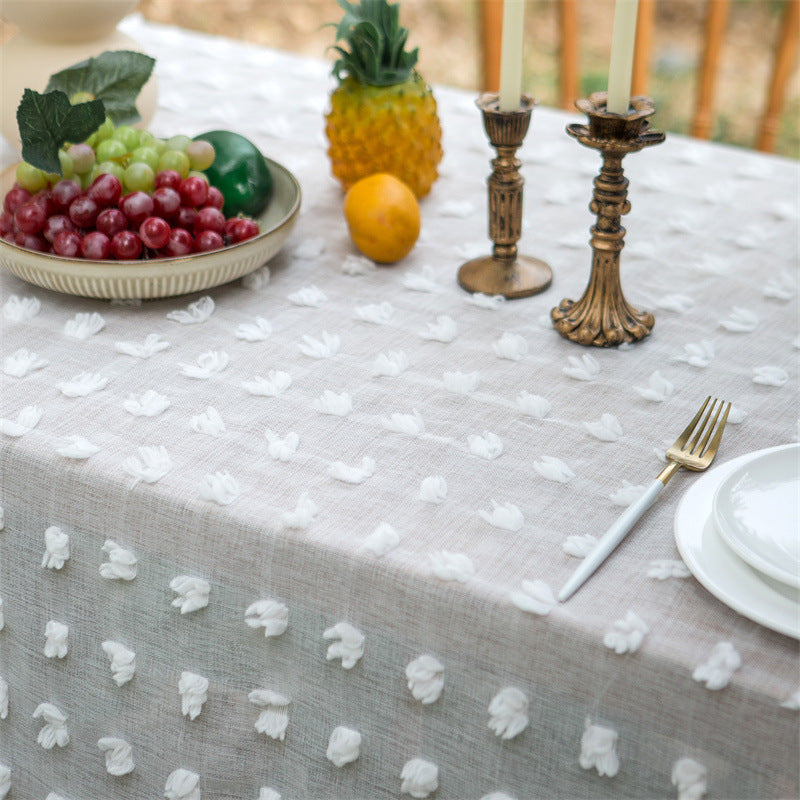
x: 694, y: 449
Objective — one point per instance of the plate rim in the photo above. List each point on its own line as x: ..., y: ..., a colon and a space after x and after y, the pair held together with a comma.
x: 747, y: 555
x: 699, y: 495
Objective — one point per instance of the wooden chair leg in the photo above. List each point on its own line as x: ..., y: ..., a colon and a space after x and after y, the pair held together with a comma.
x: 716, y: 20
x: 785, y: 59
x: 491, y: 21
x: 643, y: 47
x: 569, y: 87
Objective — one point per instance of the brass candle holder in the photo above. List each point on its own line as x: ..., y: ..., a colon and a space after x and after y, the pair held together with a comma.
x: 603, y: 317
x: 505, y: 272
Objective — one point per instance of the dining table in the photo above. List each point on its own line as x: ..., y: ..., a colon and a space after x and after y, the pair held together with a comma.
x: 301, y: 535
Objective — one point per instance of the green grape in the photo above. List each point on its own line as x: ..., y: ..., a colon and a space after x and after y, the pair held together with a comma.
x: 146, y: 155
x: 81, y: 97
x: 106, y: 129
x: 83, y: 158
x: 103, y: 132
x: 138, y: 177
x: 128, y: 135
x: 174, y: 159
x: 111, y: 149
x: 147, y: 139
x: 111, y: 167
x: 201, y: 154
x: 67, y: 167
x: 31, y: 178
x: 179, y: 142
x: 194, y: 173
x: 52, y: 178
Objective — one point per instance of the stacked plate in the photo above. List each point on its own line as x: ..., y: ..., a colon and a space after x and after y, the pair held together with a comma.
x: 737, y: 530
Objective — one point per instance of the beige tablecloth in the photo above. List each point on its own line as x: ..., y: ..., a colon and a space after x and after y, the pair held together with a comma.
x: 315, y: 519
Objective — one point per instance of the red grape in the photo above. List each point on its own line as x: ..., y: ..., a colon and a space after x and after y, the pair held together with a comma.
x: 136, y: 206
x: 83, y: 211
x: 67, y: 243
x: 45, y: 200
x: 126, y: 245
x: 215, y: 198
x: 95, y: 245
x: 30, y: 241
x: 55, y: 224
x: 166, y: 202
x: 180, y: 243
x: 241, y: 229
x: 209, y: 219
x: 176, y: 218
x: 64, y: 192
x: 15, y: 197
x: 208, y: 240
x: 6, y: 223
x: 169, y: 179
x: 154, y: 232
x: 105, y: 190
x: 30, y: 217
x: 193, y: 191
x: 185, y: 217
x: 111, y: 221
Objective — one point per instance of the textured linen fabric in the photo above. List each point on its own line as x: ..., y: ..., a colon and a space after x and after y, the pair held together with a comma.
x: 711, y: 248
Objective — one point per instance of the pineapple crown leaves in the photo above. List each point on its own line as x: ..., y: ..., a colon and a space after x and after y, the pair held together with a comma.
x: 377, y: 54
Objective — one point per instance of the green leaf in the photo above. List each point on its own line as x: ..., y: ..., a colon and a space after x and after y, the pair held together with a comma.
x: 115, y: 77
x: 366, y: 39
x: 46, y: 121
x: 377, y: 42
x: 351, y: 17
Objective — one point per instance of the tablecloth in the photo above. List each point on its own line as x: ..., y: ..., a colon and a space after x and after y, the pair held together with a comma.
x: 300, y: 535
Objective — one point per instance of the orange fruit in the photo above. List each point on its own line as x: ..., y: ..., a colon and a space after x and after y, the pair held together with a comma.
x: 383, y: 217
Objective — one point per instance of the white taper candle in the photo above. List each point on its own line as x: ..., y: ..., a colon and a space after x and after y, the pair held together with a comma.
x: 621, y: 68
x: 511, y: 55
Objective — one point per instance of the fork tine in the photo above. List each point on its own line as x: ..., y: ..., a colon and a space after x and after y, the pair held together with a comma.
x: 712, y: 448
x: 700, y: 448
x: 696, y: 446
x: 684, y: 437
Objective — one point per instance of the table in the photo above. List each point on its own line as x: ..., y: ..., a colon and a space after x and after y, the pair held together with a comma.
x: 314, y: 519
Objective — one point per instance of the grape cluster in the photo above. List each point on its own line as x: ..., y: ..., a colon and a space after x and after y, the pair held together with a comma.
x: 123, y: 194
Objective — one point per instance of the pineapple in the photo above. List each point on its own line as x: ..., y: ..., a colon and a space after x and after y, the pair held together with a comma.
x: 383, y: 115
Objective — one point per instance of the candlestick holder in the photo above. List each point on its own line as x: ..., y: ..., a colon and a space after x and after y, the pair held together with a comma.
x: 603, y: 317
x: 505, y: 272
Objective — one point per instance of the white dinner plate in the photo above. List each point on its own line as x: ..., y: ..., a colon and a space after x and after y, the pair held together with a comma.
x: 755, y: 510
x: 744, y: 589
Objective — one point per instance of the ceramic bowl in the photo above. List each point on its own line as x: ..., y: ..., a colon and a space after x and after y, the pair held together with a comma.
x: 163, y: 277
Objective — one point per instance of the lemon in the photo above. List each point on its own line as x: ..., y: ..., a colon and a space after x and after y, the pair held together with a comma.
x: 383, y: 217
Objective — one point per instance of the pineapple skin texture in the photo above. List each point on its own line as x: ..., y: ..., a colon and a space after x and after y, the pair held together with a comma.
x: 392, y: 129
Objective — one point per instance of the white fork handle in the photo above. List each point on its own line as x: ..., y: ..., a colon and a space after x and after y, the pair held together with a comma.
x: 610, y: 539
